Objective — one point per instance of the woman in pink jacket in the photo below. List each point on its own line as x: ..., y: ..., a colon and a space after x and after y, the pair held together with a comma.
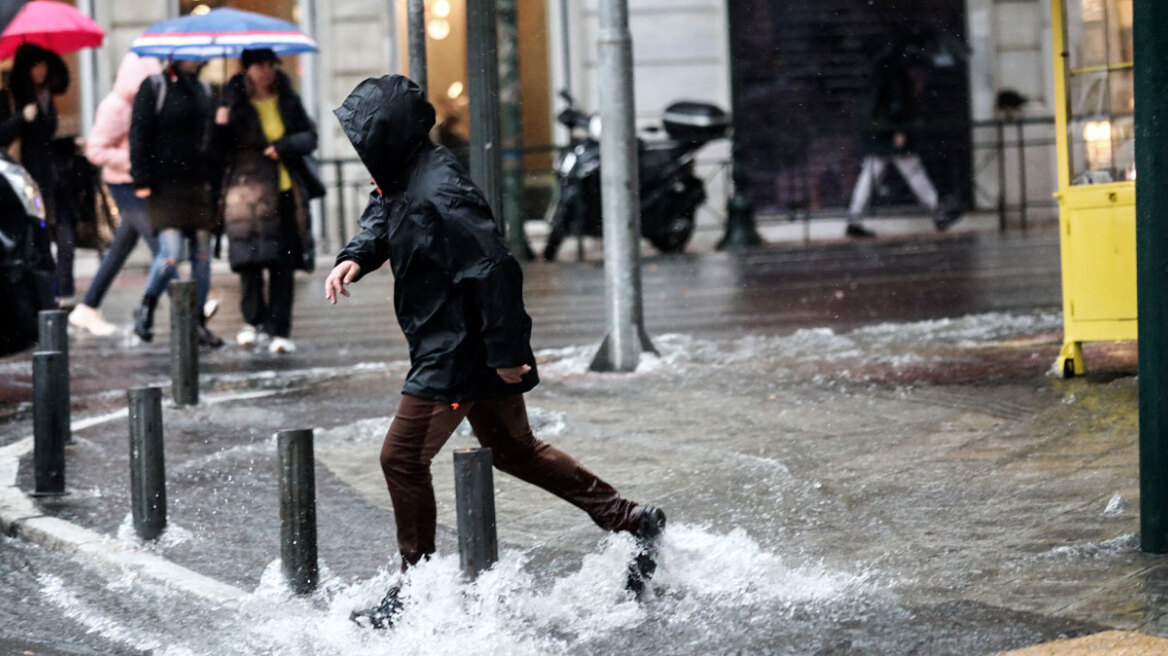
x: 108, y: 147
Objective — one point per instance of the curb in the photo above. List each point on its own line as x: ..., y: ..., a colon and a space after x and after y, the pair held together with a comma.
x: 20, y: 518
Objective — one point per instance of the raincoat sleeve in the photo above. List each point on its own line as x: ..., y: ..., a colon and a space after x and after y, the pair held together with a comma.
x: 369, y: 248
x: 493, y: 280
x: 142, y: 127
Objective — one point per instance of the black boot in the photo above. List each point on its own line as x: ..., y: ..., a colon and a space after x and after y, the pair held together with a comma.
x: 144, y: 318
x: 650, y: 524
x: 206, y: 337
x: 383, y: 615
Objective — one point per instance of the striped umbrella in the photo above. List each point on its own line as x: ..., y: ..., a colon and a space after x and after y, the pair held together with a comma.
x: 221, y: 32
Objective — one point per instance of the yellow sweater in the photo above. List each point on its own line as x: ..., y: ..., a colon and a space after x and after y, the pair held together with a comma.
x: 273, y: 127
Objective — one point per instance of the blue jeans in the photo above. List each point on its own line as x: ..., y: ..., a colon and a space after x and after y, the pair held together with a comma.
x: 170, y: 252
x: 133, y: 226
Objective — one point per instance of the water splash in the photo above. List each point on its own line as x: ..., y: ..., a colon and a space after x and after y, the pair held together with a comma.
x: 705, y: 579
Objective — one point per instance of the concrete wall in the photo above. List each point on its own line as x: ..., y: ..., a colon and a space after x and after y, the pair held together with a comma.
x: 1011, y: 42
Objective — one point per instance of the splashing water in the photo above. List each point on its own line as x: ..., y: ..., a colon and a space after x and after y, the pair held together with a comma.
x: 703, y: 579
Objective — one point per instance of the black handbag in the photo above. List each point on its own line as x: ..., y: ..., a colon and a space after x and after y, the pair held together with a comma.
x: 312, y: 182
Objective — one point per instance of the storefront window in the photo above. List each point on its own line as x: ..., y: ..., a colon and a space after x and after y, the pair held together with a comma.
x: 1100, y: 93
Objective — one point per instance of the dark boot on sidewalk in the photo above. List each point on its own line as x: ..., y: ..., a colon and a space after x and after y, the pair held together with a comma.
x: 206, y: 337
x: 383, y: 615
x: 144, y: 318
x: 650, y: 525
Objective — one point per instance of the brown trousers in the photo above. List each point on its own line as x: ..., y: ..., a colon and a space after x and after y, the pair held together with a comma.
x: 420, y: 429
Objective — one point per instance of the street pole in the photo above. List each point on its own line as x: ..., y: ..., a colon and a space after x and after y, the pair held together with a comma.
x: 619, y: 193
x: 147, y: 462
x: 87, y: 62
x: 474, y: 500
x: 416, y: 25
x: 298, y: 557
x: 740, y: 226
x: 566, y: 43
x: 509, y: 95
x: 50, y: 423
x: 53, y: 336
x: 1151, y: 96
x: 184, y: 352
x: 482, y: 52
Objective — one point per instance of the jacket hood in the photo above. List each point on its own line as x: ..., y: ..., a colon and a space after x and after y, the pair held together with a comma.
x: 387, y: 119
x: 131, y: 72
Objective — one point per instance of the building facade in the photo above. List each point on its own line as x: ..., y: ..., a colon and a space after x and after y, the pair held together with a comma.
x: 777, y: 55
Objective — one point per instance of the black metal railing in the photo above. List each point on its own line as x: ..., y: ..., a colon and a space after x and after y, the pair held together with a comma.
x: 1021, y: 150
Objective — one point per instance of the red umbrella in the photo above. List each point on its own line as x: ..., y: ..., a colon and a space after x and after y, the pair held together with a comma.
x: 51, y: 25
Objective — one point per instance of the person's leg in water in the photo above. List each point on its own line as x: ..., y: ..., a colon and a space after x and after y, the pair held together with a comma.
x: 502, y: 426
x: 133, y: 226
x: 162, y: 271
x: 420, y: 429
x: 870, y: 173
x: 200, y: 251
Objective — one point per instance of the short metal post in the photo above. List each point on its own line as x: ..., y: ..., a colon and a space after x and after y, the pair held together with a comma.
x: 50, y: 423
x: 53, y: 336
x: 53, y: 332
x: 478, y: 546
x: 297, y: 510
x: 184, y: 352
x: 147, y: 463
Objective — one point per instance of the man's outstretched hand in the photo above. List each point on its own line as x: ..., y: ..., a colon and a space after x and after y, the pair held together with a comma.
x: 341, y: 275
x: 513, y: 374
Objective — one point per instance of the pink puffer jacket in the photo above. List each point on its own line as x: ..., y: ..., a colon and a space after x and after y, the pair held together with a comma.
x: 108, y: 145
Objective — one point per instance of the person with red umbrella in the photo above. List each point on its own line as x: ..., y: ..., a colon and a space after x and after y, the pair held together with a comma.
x: 28, y: 114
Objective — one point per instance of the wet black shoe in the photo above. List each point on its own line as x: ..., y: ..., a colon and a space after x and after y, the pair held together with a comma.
x: 946, y: 215
x: 649, y: 527
x: 857, y: 231
x: 207, y: 338
x: 650, y: 524
x: 144, y: 323
x: 383, y: 615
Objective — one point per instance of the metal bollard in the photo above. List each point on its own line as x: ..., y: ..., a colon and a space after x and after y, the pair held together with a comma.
x: 184, y: 352
x: 297, y: 510
x: 50, y: 423
x: 53, y: 336
x: 147, y: 463
x: 474, y: 487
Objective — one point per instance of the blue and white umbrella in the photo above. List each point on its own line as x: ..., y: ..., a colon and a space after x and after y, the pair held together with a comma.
x: 222, y: 32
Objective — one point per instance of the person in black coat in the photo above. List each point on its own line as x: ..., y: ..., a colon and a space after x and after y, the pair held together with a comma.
x: 169, y: 133
x: 29, y: 114
x: 458, y: 295
x: 262, y: 137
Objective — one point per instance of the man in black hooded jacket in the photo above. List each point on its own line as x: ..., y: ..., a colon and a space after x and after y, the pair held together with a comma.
x: 458, y: 295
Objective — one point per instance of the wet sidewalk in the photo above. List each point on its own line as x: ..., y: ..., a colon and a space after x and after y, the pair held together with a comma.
x: 859, y: 446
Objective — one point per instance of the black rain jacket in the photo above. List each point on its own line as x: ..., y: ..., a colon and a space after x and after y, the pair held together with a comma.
x: 458, y: 292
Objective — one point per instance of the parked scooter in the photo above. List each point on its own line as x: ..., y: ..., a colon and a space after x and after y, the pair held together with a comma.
x: 670, y: 192
x: 26, y: 265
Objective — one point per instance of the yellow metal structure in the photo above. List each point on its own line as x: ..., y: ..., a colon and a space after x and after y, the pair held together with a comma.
x: 1094, y: 114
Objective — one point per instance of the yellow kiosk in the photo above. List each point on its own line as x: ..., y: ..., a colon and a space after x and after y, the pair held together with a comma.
x: 1095, y: 122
